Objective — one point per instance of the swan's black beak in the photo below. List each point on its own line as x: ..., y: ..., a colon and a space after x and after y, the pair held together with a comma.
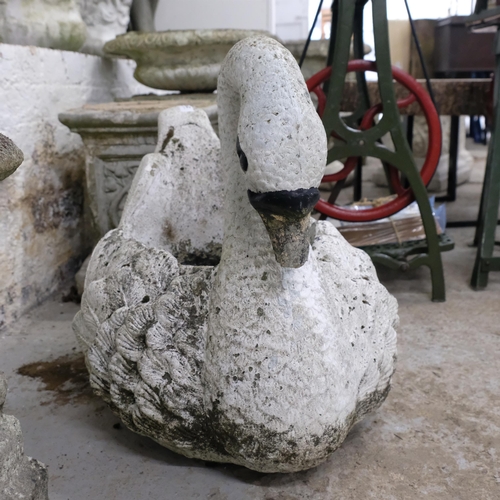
x: 286, y: 217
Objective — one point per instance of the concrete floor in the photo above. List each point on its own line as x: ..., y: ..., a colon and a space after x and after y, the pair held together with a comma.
x: 437, y: 436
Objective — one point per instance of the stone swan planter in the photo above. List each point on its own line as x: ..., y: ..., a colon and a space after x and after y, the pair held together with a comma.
x: 268, y: 358
x: 185, y: 60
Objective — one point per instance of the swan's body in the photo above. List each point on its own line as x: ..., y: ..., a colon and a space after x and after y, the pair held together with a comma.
x: 252, y: 362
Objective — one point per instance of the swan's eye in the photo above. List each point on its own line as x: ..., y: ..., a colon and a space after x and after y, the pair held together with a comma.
x: 241, y: 155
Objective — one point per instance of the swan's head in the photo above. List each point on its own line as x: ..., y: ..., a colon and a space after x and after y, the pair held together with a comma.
x: 273, y: 134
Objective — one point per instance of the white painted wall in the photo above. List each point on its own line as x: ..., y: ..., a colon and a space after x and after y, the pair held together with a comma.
x: 429, y: 9
x: 396, y: 10
x: 41, y: 228
x: 215, y: 14
x: 312, y: 9
x: 292, y: 19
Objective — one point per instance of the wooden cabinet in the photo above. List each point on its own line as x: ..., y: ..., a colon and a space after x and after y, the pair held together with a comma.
x: 458, y: 50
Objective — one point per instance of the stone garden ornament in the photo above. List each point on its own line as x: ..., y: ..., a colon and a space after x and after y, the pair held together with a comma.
x: 21, y: 477
x: 10, y: 157
x: 55, y: 24
x: 104, y: 19
x: 269, y: 358
x: 185, y: 60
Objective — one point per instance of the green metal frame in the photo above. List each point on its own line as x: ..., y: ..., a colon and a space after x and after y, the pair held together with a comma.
x: 396, y: 256
x: 347, y: 19
x: 490, y: 197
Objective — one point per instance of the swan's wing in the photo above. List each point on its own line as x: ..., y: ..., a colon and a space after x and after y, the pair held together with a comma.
x: 373, y: 311
x: 143, y: 326
x: 169, y: 351
x: 330, y: 246
x: 175, y: 201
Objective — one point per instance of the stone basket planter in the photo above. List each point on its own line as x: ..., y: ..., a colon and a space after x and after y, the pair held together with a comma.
x: 185, y: 60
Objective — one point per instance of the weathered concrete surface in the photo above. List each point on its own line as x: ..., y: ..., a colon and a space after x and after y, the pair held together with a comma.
x: 185, y: 60
x: 436, y: 436
x: 42, y: 23
x: 178, y: 192
x: 42, y: 228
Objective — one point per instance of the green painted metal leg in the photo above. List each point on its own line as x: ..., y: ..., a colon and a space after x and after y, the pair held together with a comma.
x: 487, y: 175
x: 490, y: 197
x: 347, y: 16
x: 433, y: 257
x: 487, y: 223
x: 433, y: 260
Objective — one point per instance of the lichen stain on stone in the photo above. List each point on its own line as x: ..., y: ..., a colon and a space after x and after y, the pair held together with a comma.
x: 189, y: 256
x: 54, y: 209
x: 65, y: 377
x: 169, y: 232
x: 54, y: 196
x: 53, y: 220
x: 169, y: 136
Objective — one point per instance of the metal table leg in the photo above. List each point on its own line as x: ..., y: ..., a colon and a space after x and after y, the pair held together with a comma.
x: 451, y: 194
x: 490, y: 198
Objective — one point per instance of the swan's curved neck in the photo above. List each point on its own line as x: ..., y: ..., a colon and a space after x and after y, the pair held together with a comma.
x: 244, y: 232
x: 263, y: 102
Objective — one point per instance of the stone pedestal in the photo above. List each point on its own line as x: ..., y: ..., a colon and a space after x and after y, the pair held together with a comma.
x: 116, y: 136
x: 21, y: 477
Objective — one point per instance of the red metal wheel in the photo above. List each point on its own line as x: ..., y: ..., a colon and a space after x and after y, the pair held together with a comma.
x: 404, y: 195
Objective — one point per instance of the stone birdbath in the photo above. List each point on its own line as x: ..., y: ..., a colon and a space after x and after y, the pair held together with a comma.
x: 184, y: 60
